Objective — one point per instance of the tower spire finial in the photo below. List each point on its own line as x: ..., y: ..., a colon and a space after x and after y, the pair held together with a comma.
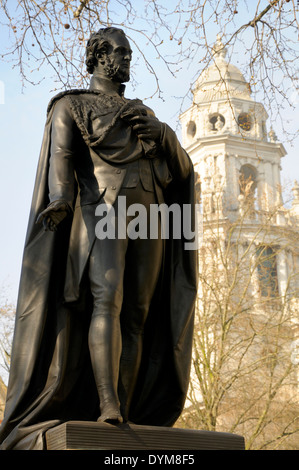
x: 218, y: 48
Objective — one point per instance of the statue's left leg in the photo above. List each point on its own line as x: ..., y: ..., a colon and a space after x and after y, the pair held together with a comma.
x: 144, y: 259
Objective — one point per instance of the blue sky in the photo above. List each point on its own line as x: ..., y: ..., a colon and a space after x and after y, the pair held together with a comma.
x: 22, y: 118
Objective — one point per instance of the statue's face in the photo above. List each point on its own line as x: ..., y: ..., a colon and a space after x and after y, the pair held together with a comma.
x: 118, y: 58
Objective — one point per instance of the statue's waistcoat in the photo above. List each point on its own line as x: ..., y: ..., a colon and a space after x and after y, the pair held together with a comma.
x: 117, y: 158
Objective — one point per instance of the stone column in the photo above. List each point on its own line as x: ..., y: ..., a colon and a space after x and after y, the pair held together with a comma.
x: 291, y: 271
x: 276, y: 184
x: 282, y: 272
x: 261, y: 188
x: 255, y: 276
x: 232, y: 182
x: 269, y: 190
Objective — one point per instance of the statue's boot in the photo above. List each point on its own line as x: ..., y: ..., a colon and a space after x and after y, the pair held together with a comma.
x: 105, y: 347
x: 129, y: 368
x: 109, y: 407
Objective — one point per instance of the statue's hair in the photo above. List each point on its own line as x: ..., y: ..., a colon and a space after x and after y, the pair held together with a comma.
x: 98, y: 43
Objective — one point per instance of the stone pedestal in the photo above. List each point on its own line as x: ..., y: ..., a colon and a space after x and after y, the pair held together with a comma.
x: 85, y: 435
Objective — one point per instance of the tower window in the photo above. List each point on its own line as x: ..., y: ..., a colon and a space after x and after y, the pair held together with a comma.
x: 248, y: 179
x: 216, y: 122
x: 267, y: 271
x: 191, y: 129
x: 248, y: 186
x: 245, y: 121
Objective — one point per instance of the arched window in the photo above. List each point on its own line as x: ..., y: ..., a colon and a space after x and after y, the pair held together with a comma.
x: 267, y: 271
x: 245, y: 121
x: 248, y: 179
x: 248, y: 186
x: 216, y: 122
x: 191, y: 129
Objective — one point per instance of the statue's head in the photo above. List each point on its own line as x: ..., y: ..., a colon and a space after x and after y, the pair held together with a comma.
x: 108, y: 51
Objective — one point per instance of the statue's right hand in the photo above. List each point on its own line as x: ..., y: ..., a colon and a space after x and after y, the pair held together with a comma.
x: 53, y: 215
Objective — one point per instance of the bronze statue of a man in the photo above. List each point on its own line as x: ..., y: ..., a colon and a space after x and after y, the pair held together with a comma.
x: 104, y: 323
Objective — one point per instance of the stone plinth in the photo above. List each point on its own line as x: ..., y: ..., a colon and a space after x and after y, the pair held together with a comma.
x: 86, y: 435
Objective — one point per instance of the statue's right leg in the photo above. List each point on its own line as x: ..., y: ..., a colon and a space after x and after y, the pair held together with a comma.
x: 106, y: 269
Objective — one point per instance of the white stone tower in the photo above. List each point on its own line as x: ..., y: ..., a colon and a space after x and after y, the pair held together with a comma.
x: 237, y: 163
x: 249, y: 252
x: 225, y: 134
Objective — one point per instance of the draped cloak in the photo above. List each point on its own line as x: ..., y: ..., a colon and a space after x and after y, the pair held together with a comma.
x: 51, y: 379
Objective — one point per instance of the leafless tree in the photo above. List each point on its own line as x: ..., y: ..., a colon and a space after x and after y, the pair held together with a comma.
x: 180, y: 35
x: 7, y: 318
x: 245, y: 367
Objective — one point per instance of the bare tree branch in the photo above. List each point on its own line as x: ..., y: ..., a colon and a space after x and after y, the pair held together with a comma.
x: 80, y: 8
